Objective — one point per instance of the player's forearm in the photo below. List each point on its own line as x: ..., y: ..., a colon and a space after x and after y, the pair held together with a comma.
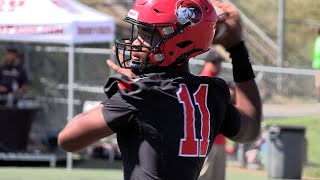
x: 71, y: 142
x: 247, y: 95
x: 248, y: 99
x: 249, y: 104
x: 83, y: 130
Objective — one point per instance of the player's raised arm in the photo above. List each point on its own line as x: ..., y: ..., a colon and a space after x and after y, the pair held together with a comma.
x: 247, y: 97
x: 84, y: 129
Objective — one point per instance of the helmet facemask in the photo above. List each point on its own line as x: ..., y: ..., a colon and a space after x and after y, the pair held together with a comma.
x: 125, y: 47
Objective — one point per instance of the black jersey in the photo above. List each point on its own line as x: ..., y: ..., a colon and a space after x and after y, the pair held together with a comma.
x: 166, y: 122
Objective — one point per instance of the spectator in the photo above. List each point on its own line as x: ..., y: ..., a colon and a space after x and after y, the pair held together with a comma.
x: 13, y: 77
x: 316, y: 64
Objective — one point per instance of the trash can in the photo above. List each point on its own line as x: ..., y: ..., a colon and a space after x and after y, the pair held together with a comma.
x: 286, y: 151
x: 15, y: 126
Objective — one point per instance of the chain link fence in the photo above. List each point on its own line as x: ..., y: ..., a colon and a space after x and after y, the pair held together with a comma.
x: 276, y: 85
x: 50, y: 79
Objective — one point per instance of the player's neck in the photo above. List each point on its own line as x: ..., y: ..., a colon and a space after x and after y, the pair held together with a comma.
x: 183, y: 68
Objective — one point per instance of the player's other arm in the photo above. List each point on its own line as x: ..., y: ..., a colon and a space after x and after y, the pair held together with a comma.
x: 83, y: 130
x: 247, y: 95
x: 248, y: 100
x: 249, y: 104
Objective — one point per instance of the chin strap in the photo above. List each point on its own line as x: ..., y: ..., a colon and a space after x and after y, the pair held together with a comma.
x: 139, y: 68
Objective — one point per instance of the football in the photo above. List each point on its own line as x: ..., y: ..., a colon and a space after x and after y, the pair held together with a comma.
x: 221, y: 26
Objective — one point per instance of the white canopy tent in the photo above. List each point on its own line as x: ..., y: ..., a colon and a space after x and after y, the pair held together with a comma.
x: 55, y: 21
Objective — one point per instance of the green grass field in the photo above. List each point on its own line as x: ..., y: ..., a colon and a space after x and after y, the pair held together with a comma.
x: 98, y: 174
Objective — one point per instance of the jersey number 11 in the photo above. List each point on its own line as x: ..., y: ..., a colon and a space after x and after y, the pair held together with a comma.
x: 190, y: 145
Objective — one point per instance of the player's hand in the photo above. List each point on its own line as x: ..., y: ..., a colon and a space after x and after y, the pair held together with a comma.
x: 230, y: 19
x: 118, y: 69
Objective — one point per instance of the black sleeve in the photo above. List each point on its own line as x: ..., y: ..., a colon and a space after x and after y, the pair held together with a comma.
x: 231, y: 124
x: 118, y: 112
x: 125, y: 101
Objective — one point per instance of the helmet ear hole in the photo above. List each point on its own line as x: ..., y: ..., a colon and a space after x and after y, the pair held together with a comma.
x: 184, y: 44
x: 171, y: 53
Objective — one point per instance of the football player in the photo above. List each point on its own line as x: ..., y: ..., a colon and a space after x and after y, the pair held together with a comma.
x: 166, y: 119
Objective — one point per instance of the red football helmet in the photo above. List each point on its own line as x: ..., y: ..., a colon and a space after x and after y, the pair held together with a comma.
x: 186, y: 27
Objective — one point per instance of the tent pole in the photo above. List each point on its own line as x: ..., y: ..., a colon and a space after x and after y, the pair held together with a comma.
x: 70, y: 94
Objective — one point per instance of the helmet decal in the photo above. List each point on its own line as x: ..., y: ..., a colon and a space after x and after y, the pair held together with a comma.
x: 188, y: 11
x: 133, y: 14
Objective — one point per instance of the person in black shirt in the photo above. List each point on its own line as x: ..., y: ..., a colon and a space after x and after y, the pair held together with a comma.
x: 13, y: 77
x: 166, y: 119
